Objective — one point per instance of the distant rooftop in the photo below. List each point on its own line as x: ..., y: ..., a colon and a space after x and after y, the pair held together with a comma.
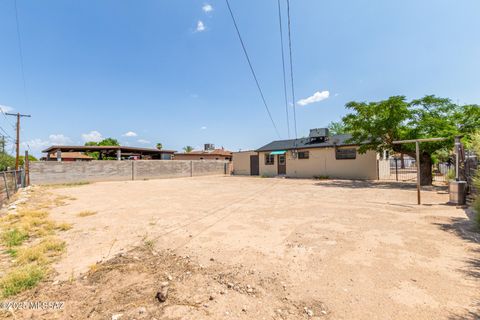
x: 107, y: 149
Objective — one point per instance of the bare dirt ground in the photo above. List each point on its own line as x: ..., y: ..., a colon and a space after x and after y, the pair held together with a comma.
x: 252, y: 248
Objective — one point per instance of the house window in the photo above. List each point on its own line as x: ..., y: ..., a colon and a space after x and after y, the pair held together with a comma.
x: 303, y: 154
x: 269, y: 159
x: 342, y: 154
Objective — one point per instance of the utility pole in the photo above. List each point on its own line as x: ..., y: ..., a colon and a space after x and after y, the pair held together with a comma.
x: 17, y: 142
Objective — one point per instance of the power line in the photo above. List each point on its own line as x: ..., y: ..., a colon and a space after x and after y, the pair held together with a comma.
x: 251, y: 67
x: 20, y: 52
x: 291, y: 70
x: 283, y: 67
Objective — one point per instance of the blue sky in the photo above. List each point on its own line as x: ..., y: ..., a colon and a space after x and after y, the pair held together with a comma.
x: 173, y: 71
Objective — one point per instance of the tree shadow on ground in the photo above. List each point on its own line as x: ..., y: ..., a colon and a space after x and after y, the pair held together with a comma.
x: 369, y: 184
x: 467, y: 230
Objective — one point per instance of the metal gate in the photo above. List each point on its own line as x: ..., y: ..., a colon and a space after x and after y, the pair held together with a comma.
x: 397, y: 169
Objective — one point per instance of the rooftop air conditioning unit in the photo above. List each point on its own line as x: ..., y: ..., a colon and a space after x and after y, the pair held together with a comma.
x: 209, y: 147
x: 319, y: 133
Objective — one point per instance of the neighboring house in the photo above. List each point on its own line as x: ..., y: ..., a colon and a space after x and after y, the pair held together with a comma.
x: 68, y: 156
x: 318, y: 155
x: 110, y: 152
x: 209, y: 153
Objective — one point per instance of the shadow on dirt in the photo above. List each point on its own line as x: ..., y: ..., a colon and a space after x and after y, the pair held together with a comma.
x: 365, y: 184
x: 466, y: 229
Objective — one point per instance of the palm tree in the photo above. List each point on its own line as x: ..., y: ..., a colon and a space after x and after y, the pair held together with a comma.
x: 188, y: 149
x: 159, y: 146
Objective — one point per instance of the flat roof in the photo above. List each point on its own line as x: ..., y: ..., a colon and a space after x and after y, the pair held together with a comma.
x: 123, y: 149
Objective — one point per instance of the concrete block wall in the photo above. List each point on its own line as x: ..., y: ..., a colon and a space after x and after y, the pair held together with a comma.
x: 51, y: 172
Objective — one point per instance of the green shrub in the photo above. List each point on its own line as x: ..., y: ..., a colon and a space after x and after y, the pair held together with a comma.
x: 14, y: 237
x: 20, y: 279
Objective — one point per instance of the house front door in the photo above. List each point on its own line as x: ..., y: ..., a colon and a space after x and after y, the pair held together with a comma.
x: 282, y: 164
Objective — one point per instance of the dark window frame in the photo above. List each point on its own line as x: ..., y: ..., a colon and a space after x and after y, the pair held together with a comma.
x: 269, y: 159
x: 346, y: 154
x: 303, y: 155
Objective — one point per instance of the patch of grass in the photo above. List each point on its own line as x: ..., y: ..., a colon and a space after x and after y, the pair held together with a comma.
x: 40, y: 253
x: 12, y: 252
x: 321, y: 177
x: 20, y: 279
x: 71, y: 184
x: 86, y: 213
x: 14, y: 237
x: 149, y: 244
x: 476, y: 207
x: 64, y: 226
x: 28, y: 239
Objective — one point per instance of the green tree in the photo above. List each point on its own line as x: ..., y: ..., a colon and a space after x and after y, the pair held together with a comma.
x: 6, y: 161
x: 105, y: 142
x: 188, y: 149
x: 376, y: 125
x: 336, y: 127
x: 21, y: 159
x: 159, y: 146
x: 109, y: 142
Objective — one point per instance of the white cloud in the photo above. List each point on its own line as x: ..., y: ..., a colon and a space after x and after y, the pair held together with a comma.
x: 130, y: 134
x: 200, y: 26
x: 4, y: 109
x: 59, y: 139
x: 317, y: 96
x: 36, y: 144
x: 203, y: 128
x: 143, y: 141
x: 207, y: 8
x: 93, y: 136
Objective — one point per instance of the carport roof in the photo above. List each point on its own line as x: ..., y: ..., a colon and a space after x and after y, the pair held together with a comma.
x: 303, y: 143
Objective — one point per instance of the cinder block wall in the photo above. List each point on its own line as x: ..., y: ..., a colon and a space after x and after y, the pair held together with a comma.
x: 51, y: 172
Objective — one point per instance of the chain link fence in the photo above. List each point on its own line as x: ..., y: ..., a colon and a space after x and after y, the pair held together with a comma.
x: 397, y: 169
x: 10, y: 182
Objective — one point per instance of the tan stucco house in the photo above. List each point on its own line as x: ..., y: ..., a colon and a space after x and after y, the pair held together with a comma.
x: 318, y: 155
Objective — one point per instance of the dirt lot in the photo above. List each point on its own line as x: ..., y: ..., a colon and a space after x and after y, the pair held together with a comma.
x: 253, y: 248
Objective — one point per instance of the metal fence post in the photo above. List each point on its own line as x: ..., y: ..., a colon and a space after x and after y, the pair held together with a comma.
x: 396, y: 169
x: 15, y: 177
x: 6, y: 184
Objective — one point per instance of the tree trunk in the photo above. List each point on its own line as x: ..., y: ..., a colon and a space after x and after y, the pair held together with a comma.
x: 426, y: 177
x: 402, y: 161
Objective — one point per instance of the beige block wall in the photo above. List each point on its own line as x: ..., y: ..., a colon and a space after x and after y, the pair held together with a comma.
x: 267, y: 170
x: 322, y: 162
x: 241, y: 162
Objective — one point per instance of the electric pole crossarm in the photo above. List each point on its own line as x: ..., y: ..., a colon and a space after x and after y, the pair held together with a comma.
x: 17, y: 142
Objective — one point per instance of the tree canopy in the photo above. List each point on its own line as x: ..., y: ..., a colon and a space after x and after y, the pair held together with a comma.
x: 188, y: 149
x: 376, y: 125
x: 336, y: 127
x: 104, y: 142
x: 159, y: 146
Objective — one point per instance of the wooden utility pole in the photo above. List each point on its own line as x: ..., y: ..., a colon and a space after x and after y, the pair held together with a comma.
x: 17, y: 142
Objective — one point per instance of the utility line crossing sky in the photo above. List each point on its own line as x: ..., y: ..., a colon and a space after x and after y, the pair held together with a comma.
x: 174, y: 71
